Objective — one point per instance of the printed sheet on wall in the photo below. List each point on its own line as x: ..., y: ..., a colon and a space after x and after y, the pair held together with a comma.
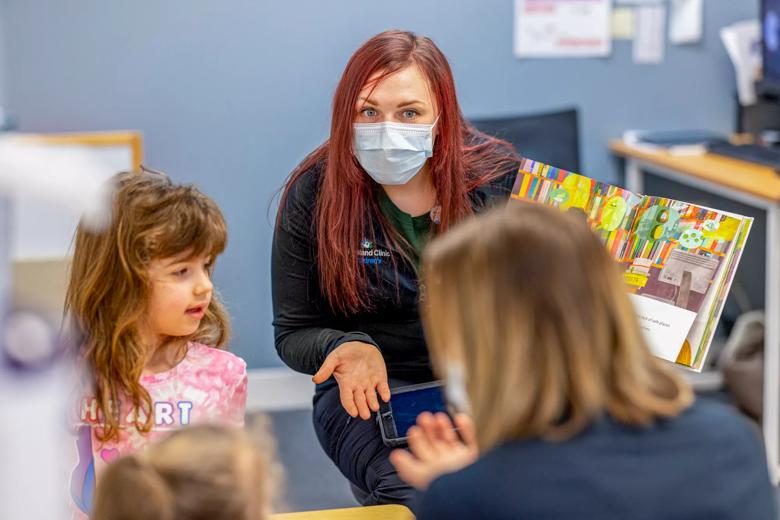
x: 562, y: 28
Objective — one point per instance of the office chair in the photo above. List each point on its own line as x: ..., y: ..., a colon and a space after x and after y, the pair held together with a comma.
x: 550, y: 137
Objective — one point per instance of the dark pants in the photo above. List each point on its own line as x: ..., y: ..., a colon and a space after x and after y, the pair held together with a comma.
x: 355, y: 446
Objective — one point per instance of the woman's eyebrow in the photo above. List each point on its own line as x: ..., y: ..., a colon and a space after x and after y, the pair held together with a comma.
x: 369, y: 101
x: 410, y: 102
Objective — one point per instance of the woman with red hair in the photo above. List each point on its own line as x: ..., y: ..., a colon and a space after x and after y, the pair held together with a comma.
x: 401, y: 165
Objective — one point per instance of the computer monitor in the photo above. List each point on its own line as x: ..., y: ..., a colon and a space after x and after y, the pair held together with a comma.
x: 770, y: 47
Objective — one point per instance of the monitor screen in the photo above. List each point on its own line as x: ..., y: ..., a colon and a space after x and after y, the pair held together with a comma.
x: 770, y: 36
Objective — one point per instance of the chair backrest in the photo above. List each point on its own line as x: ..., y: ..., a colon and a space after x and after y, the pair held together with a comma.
x: 550, y: 137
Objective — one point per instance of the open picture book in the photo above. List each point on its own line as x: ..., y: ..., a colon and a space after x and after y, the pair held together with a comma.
x: 678, y: 259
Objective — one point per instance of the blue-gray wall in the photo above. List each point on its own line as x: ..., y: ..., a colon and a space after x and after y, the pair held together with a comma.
x: 231, y: 95
x: 2, y: 55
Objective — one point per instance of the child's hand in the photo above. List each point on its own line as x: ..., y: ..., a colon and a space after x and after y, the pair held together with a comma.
x: 435, y: 449
x: 360, y: 371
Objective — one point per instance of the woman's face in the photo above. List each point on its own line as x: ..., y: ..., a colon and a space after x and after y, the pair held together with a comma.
x: 402, y: 97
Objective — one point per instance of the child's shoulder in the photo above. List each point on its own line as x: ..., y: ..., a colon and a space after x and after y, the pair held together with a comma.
x: 216, y: 360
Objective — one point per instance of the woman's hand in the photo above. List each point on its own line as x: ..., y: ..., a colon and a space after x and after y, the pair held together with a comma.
x: 360, y: 371
x: 435, y: 449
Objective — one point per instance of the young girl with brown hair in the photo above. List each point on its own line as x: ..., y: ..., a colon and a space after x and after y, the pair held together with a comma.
x: 148, y: 325
x: 571, y: 416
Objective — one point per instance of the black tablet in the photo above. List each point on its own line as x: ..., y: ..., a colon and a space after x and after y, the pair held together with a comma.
x: 406, y: 403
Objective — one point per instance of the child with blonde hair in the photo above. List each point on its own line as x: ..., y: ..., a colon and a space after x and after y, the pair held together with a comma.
x: 201, y: 472
x: 149, y: 328
x: 531, y: 326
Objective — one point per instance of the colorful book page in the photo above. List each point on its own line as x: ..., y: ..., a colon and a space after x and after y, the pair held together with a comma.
x: 678, y: 259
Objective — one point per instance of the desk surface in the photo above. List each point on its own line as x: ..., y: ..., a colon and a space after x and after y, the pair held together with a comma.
x: 389, y: 512
x: 753, y: 179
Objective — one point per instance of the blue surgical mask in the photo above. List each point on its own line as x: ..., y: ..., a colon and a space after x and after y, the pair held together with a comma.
x: 393, y: 153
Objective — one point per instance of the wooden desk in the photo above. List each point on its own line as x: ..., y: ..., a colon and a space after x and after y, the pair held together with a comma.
x: 393, y: 512
x: 756, y: 186
x: 750, y: 179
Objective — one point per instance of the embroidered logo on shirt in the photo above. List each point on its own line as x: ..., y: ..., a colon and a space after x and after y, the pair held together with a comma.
x: 371, y: 255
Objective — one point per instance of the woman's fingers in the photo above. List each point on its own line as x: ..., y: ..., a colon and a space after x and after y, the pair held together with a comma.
x: 360, y: 372
x: 384, y: 389
x: 358, y: 399
x: 348, y: 400
x: 371, y: 399
x: 326, y: 370
x: 360, y: 402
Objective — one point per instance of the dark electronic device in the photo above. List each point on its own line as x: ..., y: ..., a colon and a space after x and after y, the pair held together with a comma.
x: 748, y: 152
x: 770, y: 47
x: 406, y: 403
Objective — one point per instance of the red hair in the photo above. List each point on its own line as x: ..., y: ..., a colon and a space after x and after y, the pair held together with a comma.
x: 463, y: 158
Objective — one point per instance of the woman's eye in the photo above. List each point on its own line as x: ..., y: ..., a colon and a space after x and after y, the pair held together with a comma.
x: 368, y: 112
x: 409, y: 114
x: 180, y: 272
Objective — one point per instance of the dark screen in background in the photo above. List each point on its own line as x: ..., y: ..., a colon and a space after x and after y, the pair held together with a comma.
x: 770, y: 33
x: 407, y: 406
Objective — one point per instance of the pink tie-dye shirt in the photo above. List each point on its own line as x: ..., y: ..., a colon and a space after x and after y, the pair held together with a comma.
x: 207, y: 386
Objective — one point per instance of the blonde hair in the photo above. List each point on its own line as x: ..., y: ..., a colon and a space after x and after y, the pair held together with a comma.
x: 527, y: 299
x: 201, y: 472
x: 109, y: 286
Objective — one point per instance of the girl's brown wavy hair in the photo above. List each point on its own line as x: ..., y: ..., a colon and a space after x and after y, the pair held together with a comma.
x: 109, y: 287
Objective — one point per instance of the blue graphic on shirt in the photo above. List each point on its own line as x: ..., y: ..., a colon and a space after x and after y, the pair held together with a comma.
x: 82, y: 479
x: 371, y: 255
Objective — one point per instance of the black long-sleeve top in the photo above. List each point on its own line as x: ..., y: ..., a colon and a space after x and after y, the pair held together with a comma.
x: 306, y: 329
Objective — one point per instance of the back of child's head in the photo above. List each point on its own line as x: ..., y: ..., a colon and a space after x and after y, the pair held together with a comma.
x: 528, y: 304
x: 199, y: 473
x: 151, y: 218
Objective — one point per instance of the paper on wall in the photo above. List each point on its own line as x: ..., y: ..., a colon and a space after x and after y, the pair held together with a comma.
x: 685, y: 21
x: 743, y: 44
x: 562, y: 28
x: 623, y: 23
x: 649, y: 38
